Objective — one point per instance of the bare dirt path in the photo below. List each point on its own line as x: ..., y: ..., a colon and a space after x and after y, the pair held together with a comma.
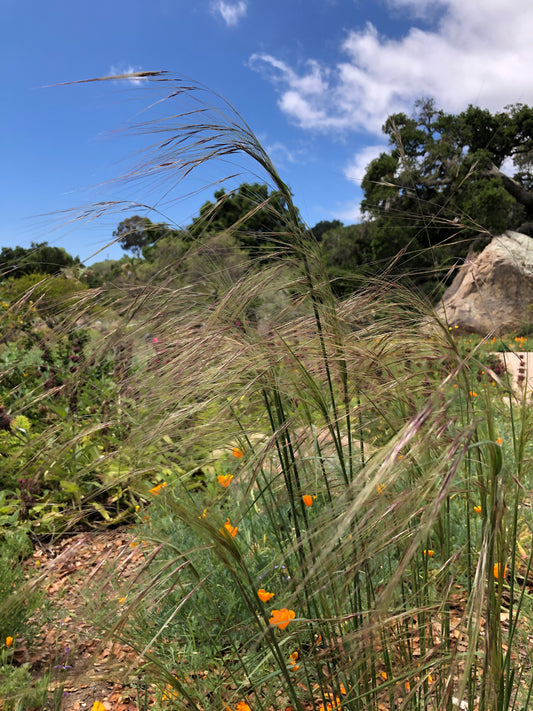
x: 80, y: 573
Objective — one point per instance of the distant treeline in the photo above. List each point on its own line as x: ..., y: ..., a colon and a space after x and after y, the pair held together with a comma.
x: 442, y: 188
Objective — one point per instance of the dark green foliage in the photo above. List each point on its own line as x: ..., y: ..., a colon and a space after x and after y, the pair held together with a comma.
x: 40, y: 257
x: 258, y: 217
x: 63, y: 387
x: 325, y: 226
x: 136, y: 233
x: 168, y: 249
x: 441, y: 185
x: 347, y: 253
x: 16, y: 609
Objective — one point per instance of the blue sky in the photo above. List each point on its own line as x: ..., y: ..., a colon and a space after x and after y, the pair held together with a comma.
x: 315, y: 80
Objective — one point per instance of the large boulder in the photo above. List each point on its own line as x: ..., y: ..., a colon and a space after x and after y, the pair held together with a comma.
x: 493, y: 290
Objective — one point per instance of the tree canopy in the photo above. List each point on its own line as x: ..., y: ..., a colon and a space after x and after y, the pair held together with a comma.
x: 347, y: 254
x: 136, y: 233
x: 40, y: 258
x: 324, y: 226
x: 257, y: 217
x: 445, y: 180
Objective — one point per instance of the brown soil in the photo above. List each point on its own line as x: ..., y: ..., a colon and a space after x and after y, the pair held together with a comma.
x: 79, y: 573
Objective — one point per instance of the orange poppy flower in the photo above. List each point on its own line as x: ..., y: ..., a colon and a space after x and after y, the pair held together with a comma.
x: 500, y: 571
x: 264, y: 595
x: 9, y: 641
x: 156, y: 491
x: 477, y: 509
x: 281, y: 618
x: 232, y: 530
x: 429, y: 552
x: 308, y: 499
x: 242, y: 706
x: 237, y: 452
x: 225, y: 479
x: 333, y: 703
x: 293, y: 657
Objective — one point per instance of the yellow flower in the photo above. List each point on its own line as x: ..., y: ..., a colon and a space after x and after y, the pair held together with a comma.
x: 429, y: 552
x: 498, y: 569
x: 478, y: 509
x: 232, y: 530
x: 9, y: 641
x: 237, y: 452
x: 264, y: 595
x: 308, y: 499
x: 158, y: 488
x: 98, y: 706
x: 225, y: 479
x: 281, y: 618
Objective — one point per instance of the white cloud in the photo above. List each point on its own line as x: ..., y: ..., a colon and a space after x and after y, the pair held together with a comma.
x: 231, y: 13
x: 356, y: 169
x: 302, y: 95
x: 477, y: 51
x: 349, y: 214
x: 120, y: 70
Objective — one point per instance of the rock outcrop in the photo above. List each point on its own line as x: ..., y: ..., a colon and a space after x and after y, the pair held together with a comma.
x: 493, y: 290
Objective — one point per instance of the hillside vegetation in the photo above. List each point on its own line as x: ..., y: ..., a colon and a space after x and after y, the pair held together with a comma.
x: 334, y: 500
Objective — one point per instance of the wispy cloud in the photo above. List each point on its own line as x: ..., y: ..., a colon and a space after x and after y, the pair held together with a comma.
x: 231, y: 12
x: 120, y: 70
x: 350, y: 213
x: 477, y: 51
x: 280, y: 152
x: 356, y: 169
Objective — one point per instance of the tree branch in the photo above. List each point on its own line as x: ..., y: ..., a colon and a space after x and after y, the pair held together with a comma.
x: 513, y: 187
